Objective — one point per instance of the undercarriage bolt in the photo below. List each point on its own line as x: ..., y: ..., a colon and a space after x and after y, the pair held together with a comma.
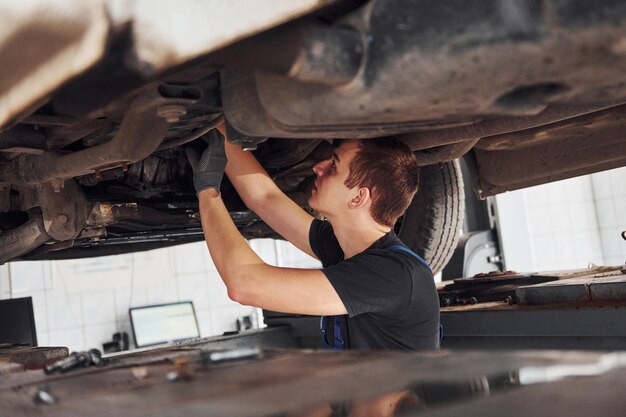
x: 172, y: 112
x: 249, y: 146
x: 57, y: 185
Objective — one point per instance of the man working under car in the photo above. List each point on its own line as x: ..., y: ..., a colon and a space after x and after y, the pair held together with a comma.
x: 374, y: 293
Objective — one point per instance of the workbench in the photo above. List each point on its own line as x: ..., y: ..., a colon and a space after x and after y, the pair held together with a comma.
x: 579, y: 309
x: 179, y: 381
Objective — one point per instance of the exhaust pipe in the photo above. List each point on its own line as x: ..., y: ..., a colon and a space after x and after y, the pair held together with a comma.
x: 23, y: 239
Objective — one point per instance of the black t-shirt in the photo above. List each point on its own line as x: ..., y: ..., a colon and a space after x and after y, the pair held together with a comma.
x: 390, y: 295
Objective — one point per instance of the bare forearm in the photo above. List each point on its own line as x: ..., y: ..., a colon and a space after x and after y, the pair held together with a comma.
x: 261, y: 195
x: 248, y: 279
x: 251, y: 281
x: 228, y: 249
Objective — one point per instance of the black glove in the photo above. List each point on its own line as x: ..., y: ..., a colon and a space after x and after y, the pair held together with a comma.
x: 209, y: 170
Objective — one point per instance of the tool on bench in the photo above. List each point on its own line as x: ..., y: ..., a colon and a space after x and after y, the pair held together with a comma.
x: 494, y: 286
x: 92, y: 357
x: 183, y: 366
x: 219, y: 356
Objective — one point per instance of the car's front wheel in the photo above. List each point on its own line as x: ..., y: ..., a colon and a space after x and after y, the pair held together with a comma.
x: 432, y: 224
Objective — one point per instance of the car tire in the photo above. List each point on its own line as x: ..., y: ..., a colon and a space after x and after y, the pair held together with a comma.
x: 432, y: 224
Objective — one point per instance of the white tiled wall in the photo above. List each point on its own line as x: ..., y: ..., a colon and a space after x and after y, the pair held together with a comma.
x: 568, y: 224
x: 5, y: 283
x: 610, y: 194
x: 81, y: 303
x: 282, y: 253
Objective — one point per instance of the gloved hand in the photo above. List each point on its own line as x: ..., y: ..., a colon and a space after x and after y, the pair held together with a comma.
x: 209, y: 170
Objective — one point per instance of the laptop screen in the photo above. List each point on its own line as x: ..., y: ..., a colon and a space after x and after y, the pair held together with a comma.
x: 163, y: 323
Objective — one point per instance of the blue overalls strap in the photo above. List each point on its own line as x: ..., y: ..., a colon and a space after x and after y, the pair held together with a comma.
x: 419, y: 258
x: 407, y: 250
x: 338, y: 342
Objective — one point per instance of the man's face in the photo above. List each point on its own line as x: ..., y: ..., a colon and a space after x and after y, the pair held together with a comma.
x: 329, y: 193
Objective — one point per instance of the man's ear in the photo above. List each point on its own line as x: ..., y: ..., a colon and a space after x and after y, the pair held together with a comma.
x: 361, y: 199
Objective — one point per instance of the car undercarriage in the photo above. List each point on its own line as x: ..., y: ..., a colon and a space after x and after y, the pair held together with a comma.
x: 96, y: 116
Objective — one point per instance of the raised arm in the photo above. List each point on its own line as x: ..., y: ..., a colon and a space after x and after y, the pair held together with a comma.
x: 250, y: 280
x: 261, y: 195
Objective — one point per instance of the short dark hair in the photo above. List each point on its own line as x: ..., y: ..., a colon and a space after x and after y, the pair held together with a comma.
x: 389, y: 169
